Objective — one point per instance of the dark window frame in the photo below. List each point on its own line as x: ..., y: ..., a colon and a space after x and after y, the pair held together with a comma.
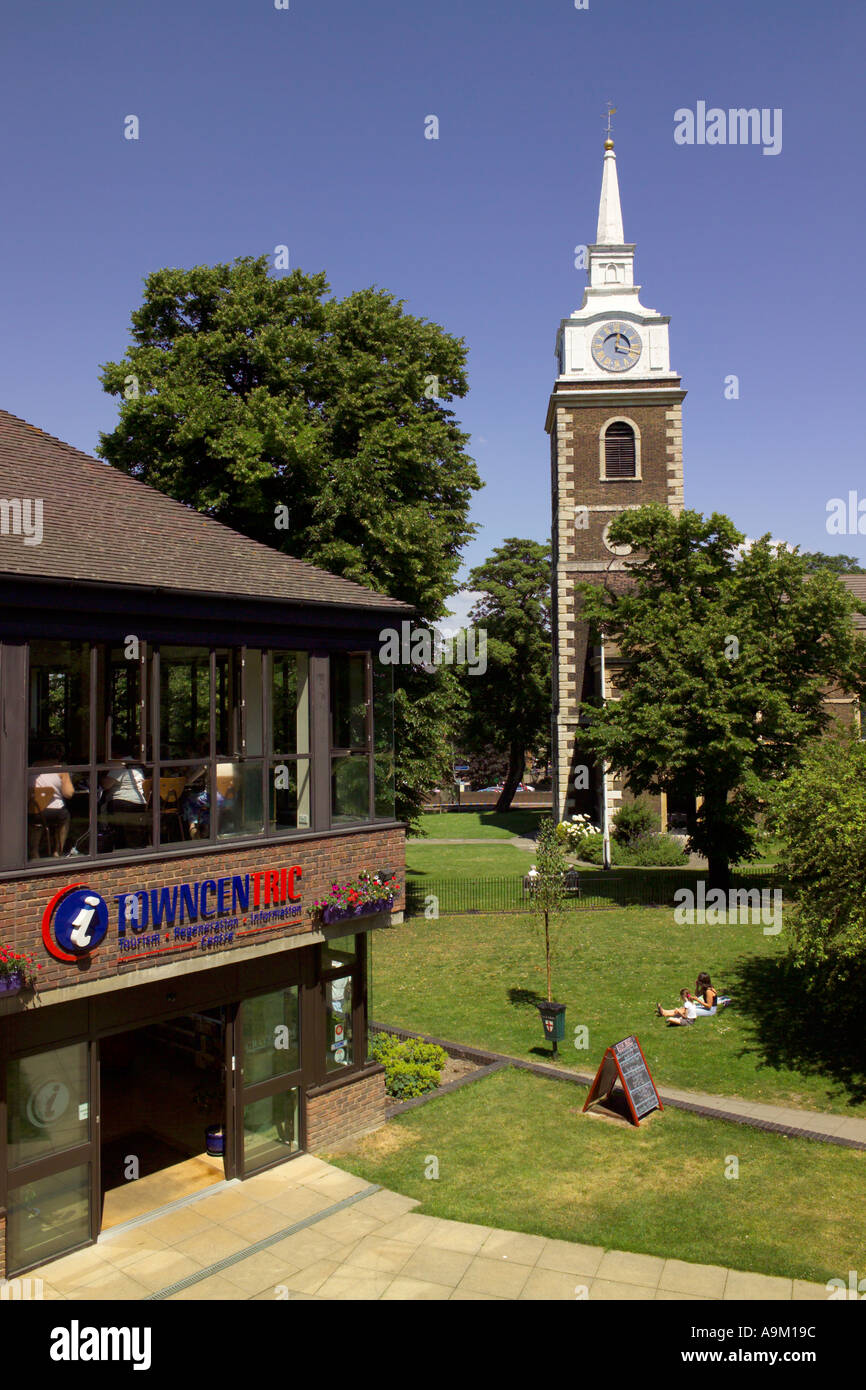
x: 149, y: 743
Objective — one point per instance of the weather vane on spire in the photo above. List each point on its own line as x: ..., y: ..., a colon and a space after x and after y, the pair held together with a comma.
x: 611, y: 111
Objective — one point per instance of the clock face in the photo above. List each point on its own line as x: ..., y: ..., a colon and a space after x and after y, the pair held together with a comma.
x: 616, y: 346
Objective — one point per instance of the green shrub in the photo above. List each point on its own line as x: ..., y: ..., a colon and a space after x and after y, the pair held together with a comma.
x: 634, y: 821
x: 592, y: 851
x: 656, y: 851
x: 649, y: 851
x: 405, y: 1080
x: 412, y: 1066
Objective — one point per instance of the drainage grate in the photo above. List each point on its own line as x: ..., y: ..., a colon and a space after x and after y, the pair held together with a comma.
x: 176, y: 1205
x: 230, y: 1260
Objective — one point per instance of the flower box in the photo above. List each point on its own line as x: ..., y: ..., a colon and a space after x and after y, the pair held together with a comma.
x: 342, y: 914
x: 12, y: 984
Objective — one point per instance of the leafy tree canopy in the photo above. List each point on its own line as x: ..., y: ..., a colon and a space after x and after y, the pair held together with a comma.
x: 836, y: 564
x: 509, y: 704
x: 820, y: 814
x: 316, y: 425
x: 730, y: 653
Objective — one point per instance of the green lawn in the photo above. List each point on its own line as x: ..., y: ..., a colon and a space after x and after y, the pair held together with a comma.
x: 473, y: 979
x: 475, y: 859
x: 514, y: 1151
x: 480, y: 825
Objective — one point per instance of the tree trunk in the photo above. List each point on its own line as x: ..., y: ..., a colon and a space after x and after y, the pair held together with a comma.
x: 516, y: 762
x: 718, y: 864
x: 719, y: 872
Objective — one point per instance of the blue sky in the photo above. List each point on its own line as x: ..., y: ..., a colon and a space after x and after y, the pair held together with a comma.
x: 305, y: 127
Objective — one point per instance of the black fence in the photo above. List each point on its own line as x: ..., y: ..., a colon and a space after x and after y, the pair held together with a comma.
x: 449, y: 897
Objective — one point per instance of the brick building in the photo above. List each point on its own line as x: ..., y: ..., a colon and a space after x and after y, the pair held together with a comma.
x: 196, y: 743
x: 615, y: 425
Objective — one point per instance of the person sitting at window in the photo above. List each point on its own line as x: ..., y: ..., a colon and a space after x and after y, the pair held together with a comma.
x: 53, y: 813
x: 124, y: 796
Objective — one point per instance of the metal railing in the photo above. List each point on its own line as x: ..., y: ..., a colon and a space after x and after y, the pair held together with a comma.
x: 625, y: 887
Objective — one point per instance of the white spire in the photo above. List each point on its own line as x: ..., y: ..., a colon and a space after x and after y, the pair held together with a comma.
x: 610, y: 231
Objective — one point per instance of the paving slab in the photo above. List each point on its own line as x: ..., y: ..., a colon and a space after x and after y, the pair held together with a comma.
x: 700, y: 1281
x: 803, y: 1290
x: 622, y: 1268
x: 377, y: 1247
x: 501, y: 1277
x: 756, y: 1286
x: 568, y: 1258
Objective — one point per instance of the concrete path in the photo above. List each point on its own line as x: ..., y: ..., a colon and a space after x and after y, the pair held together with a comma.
x: 307, y: 1230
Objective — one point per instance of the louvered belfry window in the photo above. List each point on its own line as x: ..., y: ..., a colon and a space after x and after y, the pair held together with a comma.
x: 619, y: 451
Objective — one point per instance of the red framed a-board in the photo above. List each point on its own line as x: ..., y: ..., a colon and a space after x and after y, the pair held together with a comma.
x: 625, y: 1063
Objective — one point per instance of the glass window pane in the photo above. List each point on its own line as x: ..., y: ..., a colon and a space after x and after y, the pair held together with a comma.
x: 383, y: 707
x: 59, y: 703
x: 240, y: 810
x: 47, y: 1217
x: 49, y: 1103
x: 124, y: 817
x: 254, y: 734
x: 227, y: 701
x: 290, y: 795
x: 339, y: 950
x: 290, y: 702
x: 383, y: 784
x: 271, y: 1038
x: 58, y: 812
x: 350, y: 789
x: 184, y: 802
x: 383, y: 741
x: 118, y: 723
x: 338, y: 1023
x: 184, y: 695
x: 348, y: 701
x: 271, y: 1128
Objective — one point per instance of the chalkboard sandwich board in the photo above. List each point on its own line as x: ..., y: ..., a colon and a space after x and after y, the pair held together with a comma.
x: 626, y: 1064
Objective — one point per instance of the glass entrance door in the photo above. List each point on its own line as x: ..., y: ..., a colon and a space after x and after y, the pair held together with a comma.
x: 267, y: 1123
x: 52, y: 1154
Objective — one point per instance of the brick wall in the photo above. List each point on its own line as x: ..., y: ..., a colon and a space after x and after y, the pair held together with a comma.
x: 349, y: 1106
x: 580, y: 554
x: 323, y: 860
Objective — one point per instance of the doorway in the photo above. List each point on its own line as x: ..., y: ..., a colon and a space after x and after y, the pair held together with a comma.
x: 162, y: 1088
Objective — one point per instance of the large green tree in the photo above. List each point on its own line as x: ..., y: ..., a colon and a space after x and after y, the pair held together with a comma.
x: 836, y: 564
x: 317, y: 425
x: 730, y: 654
x: 820, y: 814
x: 509, y: 703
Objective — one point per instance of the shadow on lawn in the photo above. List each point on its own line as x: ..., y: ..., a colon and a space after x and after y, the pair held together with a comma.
x: 816, y: 1030
x: 524, y: 998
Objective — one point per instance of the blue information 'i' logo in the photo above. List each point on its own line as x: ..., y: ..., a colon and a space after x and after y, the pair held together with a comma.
x: 74, y: 922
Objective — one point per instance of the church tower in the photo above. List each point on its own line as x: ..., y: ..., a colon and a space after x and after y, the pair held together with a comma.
x: 615, y: 426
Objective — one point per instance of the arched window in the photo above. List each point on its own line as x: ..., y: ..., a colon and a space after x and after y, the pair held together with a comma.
x: 620, y: 459
x: 611, y: 273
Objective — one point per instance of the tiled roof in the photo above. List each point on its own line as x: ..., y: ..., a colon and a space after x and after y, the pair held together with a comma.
x: 101, y: 526
x: 856, y: 584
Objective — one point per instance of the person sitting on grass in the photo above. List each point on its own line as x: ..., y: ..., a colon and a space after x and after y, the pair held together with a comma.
x: 707, y: 996
x: 686, y: 1013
